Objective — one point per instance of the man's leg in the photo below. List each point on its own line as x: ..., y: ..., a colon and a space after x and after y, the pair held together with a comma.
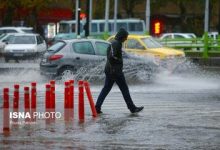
x: 106, y: 89
x: 121, y: 82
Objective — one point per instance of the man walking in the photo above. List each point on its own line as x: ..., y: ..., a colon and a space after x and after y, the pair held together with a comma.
x: 113, y: 72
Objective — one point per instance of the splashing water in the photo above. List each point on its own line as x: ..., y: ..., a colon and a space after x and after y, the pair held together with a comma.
x: 134, y: 72
x: 183, y: 76
x: 21, y: 76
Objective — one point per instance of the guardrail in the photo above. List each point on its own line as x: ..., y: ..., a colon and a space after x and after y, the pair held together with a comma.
x: 204, y: 45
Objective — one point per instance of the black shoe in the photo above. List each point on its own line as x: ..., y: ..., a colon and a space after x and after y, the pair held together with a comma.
x: 137, y: 109
x: 98, y: 110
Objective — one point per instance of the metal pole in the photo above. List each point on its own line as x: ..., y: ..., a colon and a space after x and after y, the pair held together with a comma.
x: 106, y: 14
x: 115, y: 15
x: 206, y: 29
x: 76, y: 15
x: 148, y: 16
x: 90, y: 15
x: 78, y: 20
x: 206, y: 22
x: 87, y: 31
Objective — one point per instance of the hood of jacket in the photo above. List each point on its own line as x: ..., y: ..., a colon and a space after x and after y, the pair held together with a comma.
x: 122, y: 33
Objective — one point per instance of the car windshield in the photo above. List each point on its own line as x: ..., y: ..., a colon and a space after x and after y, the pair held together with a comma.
x: 192, y: 36
x: 151, y: 43
x: 2, y: 36
x: 57, y: 46
x: 27, y: 30
x: 22, y: 40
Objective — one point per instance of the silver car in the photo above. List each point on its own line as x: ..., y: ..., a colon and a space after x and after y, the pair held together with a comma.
x: 87, y: 57
x: 24, y: 46
x: 4, y: 39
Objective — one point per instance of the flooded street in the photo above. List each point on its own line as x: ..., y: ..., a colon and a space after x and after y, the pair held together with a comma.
x: 181, y: 111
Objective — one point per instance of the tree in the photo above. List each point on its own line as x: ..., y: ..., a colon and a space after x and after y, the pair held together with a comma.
x: 129, y: 5
x: 34, y: 6
x: 188, y: 23
x: 98, y: 9
x: 214, y: 5
x: 9, y: 7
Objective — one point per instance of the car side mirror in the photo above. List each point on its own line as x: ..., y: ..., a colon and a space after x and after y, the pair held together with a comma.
x: 5, y: 41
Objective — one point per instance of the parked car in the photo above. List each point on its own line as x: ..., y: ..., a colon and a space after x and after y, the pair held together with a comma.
x: 213, y: 38
x: 24, y: 46
x: 4, y: 39
x: 177, y: 35
x: 213, y: 35
x: 145, y: 45
x: 178, y: 39
x: 85, y: 56
x: 16, y: 30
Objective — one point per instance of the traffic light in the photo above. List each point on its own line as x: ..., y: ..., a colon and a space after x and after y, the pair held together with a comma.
x: 82, y: 16
x: 157, y: 27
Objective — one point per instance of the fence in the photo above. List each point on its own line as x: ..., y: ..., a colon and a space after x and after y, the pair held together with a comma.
x: 203, y: 45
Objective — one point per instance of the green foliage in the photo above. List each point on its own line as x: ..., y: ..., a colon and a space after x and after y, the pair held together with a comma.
x: 34, y: 5
x: 129, y: 5
x: 105, y: 35
x: 98, y: 9
x: 38, y: 4
x: 205, y: 51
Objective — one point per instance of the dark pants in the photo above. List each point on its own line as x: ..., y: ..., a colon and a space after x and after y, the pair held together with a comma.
x: 120, y: 81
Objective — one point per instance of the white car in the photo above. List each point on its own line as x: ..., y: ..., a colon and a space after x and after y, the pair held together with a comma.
x: 23, y: 46
x: 16, y: 30
x: 177, y: 39
x: 177, y: 35
x: 213, y: 35
x: 3, y: 39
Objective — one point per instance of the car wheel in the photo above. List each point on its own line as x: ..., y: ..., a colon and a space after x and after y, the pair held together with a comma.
x: 16, y: 60
x: 67, y: 73
x: 6, y: 59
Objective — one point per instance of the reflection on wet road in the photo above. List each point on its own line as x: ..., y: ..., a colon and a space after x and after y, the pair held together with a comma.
x: 181, y: 112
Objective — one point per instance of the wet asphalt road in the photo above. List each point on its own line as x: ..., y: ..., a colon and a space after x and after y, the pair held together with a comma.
x: 181, y: 112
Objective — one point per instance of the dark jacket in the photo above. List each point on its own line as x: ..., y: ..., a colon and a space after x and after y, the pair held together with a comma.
x: 114, y: 64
